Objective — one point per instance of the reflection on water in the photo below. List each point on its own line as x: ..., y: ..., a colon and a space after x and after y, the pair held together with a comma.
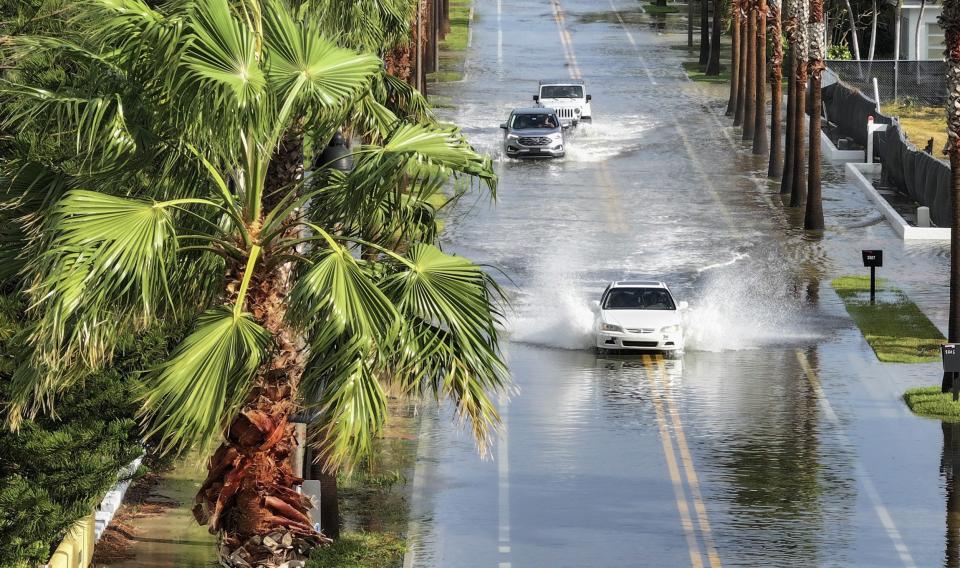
x: 950, y: 468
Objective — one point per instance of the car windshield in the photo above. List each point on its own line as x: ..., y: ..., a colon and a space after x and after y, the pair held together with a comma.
x: 561, y: 92
x: 639, y: 299
x: 527, y: 121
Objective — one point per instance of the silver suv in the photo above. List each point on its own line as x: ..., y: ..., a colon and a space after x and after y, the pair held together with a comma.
x: 533, y: 133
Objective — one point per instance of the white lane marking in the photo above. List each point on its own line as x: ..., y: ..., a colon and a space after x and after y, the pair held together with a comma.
x: 503, y: 473
x: 869, y: 488
x: 633, y: 42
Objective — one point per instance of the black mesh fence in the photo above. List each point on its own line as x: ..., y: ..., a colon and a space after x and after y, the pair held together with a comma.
x: 910, y: 171
x: 915, y: 173
x: 849, y: 109
x: 918, y: 82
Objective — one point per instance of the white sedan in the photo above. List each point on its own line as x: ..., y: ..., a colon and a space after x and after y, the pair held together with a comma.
x: 638, y: 316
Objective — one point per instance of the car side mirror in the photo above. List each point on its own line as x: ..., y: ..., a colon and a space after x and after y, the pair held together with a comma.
x: 683, y: 305
x: 589, y: 98
x: 595, y: 306
x: 536, y: 98
x: 503, y: 125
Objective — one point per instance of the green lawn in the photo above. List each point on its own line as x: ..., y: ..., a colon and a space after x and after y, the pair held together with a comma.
x: 895, y: 327
x: 930, y: 402
x: 360, y: 550
x: 696, y: 73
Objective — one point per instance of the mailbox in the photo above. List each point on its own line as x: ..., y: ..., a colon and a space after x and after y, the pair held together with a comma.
x: 873, y: 258
x: 951, y: 357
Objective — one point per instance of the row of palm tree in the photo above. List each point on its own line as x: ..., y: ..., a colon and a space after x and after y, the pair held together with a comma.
x: 757, y: 30
x: 156, y: 168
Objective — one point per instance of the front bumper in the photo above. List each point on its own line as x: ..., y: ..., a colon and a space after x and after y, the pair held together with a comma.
x: 514, y: 150
x: 639, y: 341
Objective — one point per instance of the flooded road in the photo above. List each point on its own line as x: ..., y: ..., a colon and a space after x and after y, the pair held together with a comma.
x: 777, y: 439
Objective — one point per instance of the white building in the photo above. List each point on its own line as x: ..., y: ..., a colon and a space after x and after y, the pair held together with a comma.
x: 931, y: 34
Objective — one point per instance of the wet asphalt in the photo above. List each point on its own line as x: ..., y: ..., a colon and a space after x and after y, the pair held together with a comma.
x: 777, y: 439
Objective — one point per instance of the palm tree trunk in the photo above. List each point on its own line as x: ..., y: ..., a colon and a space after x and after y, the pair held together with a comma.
x: 742, y: 79
x: 704, y: 32
x: 950, y: 22
x: 689, y: 23
x: 786, y: 181
x: 775, y: 167
x: 250, y: 490
x: 798, y: 191
x: 813, y: 219
x: 734, y: 57
x: 713, y: 66
x: 761, y: 144
x: 750, y: 108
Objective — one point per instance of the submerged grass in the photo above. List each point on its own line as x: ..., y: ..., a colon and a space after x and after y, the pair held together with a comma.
x: 454, y: 46
x: 931, y: 403
x: 652, y: 8
x: 895, y: 328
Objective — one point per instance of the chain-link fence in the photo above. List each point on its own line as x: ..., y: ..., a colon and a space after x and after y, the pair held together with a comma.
x: 918, y: 82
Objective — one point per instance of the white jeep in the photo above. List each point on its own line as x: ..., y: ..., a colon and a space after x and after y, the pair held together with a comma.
x: 567, y: 97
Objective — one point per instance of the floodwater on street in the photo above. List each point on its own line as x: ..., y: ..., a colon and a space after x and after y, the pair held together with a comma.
x: 777, y: 439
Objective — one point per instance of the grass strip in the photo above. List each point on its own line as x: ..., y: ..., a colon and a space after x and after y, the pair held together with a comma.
x: 931, y: 403
x: 920, y: 123
x: 697, y: 74
x: 360, y: 550
x: 895, y: 328
x: 652, y: 8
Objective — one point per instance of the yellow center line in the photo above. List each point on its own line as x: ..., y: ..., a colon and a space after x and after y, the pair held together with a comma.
x: 682, y: 507
x: 687, y: 461
x: 566, y: 40
x: 615, y: 213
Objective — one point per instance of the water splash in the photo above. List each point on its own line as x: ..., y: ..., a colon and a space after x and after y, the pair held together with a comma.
x: 751, y: 308
x: 604, y: 138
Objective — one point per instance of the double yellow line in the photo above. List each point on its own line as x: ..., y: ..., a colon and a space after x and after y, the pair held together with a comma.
x: 672, y: 434
x: 558, y: 14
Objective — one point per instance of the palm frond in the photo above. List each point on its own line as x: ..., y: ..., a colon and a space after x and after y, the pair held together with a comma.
x: 108, y: 261
x: 190, y: 399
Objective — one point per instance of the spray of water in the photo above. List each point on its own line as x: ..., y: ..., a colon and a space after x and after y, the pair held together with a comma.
x: 746, y: 309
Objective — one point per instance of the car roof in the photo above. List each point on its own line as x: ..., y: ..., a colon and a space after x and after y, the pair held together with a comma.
x: 636, y: 283
x: 561, y: 82
x: 533, y: 110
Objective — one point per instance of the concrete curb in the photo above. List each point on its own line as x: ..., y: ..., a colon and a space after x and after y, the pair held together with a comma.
x: 837, y: 156
x: 856, y: 174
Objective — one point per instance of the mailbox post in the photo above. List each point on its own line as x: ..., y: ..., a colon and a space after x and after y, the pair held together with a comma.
x: 873, y: 259
x: 950, y: 353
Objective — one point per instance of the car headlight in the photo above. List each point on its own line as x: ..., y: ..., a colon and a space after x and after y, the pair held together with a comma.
x: 512, y: 137
x: 556, y: 136
x: 610, y: 327
x: 670, y: 329
x: 577, y: 111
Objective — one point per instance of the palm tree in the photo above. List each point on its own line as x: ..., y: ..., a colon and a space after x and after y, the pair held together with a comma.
x: 813, y: 220
x: 741, y: 109
x: 704, y: 32
x: 178, y: 191
x: 800, y: 12
x: 750, y: 92
x: 950, y: 22
x: 713, y: 64
x: 734, y: 57
x: 761, y: 144
x: 790, y: 30
x: 775, y: 168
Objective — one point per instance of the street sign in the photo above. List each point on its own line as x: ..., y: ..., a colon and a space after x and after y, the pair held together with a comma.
x: 872, y: 258
x: 950, y: 353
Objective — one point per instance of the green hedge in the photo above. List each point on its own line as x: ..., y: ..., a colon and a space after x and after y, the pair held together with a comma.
x: 55, y: 469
